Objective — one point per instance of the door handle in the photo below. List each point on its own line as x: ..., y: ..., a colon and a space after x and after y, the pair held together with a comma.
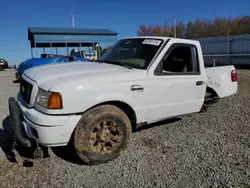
x: 198, y: 83
x: 136, y: 88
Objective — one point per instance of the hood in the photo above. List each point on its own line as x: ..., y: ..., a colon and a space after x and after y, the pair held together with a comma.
x: 75, y: 74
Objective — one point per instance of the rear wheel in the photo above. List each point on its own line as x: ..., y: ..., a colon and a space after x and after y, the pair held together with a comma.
x: 101, y: 134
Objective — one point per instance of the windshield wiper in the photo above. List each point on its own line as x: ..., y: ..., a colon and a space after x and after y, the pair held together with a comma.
x: 116, y: 62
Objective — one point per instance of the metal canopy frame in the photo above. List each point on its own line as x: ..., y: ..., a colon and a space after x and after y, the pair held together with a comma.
x: 40, y: 37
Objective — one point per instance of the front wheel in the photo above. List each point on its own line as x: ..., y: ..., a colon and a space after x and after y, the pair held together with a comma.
x: 101, y: 134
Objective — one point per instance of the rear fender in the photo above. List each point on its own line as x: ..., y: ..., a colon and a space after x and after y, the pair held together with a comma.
x: 220, y: 81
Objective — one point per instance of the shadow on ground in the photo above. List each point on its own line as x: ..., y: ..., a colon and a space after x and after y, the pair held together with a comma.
x: 149, y: 126
x: 67, y: 153
x: 16, y: 81
x: 7, y: 141
x: 11, y: 150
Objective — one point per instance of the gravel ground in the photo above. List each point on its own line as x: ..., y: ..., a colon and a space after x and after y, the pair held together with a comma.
x: 210, y: 149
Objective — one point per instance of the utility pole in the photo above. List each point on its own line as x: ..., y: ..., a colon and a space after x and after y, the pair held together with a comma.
x: 72, y: 20
x: 73, y: 23
x: 174, y: 27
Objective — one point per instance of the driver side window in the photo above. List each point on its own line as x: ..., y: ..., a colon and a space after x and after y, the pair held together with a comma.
x: 180, y: 60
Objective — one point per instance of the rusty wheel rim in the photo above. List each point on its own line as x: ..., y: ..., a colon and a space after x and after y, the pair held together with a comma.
x: 105, y: 137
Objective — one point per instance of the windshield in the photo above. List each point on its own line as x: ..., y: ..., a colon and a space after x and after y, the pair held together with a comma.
x: 135, y: 52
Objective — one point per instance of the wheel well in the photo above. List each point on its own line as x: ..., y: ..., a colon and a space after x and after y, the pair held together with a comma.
x: 126, y: 108
x: 211, y: 91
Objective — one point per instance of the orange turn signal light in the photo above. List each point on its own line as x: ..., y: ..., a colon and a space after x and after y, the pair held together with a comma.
x: 55, y: 101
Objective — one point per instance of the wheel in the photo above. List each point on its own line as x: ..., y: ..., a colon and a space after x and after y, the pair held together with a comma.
x: 1, y: 68
x: 102, y: 134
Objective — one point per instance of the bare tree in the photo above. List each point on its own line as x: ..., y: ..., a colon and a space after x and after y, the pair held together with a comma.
x: 200, y: 28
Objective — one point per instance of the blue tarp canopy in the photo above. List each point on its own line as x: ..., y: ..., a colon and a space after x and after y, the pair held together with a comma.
x: 33, y: 62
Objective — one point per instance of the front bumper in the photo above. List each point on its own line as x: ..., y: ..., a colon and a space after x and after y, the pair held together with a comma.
x: 29, y: 124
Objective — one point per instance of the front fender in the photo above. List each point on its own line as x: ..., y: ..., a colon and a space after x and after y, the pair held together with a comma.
x: 114, y: 97
x: 80, y: 99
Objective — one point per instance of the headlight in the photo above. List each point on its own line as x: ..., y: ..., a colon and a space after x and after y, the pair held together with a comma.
x: 49, y: 100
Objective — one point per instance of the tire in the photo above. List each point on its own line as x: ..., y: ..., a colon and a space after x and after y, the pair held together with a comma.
x: 96, y: 139
x: 1, y: 68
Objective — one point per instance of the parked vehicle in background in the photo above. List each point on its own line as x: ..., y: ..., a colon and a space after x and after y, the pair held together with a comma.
x: 95, y: 106
x: 3, y: 64
x: 91, y: 55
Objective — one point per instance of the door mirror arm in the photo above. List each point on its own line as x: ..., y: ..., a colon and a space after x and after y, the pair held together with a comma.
x: 158, y: 70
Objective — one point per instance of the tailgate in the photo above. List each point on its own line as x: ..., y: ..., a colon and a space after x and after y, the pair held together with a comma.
x: 220, y: 80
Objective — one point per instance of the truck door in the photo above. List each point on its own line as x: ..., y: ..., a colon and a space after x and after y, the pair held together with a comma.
x: 177, y: 83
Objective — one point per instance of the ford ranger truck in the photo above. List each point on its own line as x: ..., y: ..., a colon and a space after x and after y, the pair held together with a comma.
x: 94, y: 106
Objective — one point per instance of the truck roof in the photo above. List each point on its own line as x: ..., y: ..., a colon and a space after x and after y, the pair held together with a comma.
x: 162, y: 38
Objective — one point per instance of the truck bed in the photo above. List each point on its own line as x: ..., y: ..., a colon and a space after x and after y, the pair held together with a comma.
x: 220, y: 80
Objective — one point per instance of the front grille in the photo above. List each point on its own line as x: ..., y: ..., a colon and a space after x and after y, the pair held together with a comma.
x: 25, y: 90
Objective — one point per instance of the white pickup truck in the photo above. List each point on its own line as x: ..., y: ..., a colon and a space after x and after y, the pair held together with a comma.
x: 95, y: 105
